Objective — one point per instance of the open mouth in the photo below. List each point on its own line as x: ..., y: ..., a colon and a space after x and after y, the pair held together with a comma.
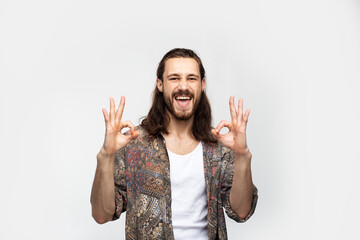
x: 182, y: 98
x: 183, y: 101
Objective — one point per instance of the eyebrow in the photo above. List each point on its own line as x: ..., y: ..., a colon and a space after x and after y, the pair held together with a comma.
x: 193, y: 75
x: 178, y: 75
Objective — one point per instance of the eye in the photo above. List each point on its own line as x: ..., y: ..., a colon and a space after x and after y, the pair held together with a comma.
x: 192, y: 79
x: 174, y: 78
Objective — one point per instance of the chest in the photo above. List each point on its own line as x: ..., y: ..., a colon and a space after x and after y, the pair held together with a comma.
x: 181, y: 147
x: 187, y: 170
x: 147, y: 169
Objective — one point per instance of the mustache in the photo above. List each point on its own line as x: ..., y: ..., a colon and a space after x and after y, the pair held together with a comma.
x: 183, y: 93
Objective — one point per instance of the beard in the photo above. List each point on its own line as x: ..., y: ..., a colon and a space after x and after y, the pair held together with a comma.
x: 182, y: 115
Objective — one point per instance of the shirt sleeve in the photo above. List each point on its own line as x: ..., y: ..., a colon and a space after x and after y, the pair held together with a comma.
x: 120, y: 183
x: 227, y: 175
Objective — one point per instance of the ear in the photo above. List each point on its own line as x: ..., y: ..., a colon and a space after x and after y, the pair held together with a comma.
x: 159, y: 85
x: 203, y: 84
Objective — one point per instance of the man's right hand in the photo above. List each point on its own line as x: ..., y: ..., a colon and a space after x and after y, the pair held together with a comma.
x: 114, y: 139
x: 103, y: 189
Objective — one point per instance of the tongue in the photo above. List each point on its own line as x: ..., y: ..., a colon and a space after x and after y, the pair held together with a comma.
x: 183, y: 103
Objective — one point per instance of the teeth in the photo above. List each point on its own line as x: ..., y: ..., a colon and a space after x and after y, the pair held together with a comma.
x: 182, y: 98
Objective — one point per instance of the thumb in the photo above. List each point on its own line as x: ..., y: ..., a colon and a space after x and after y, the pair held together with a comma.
x: 134, y: 134
x: 215, y: 133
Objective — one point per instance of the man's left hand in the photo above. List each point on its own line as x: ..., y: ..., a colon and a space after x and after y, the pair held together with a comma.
x: 235, y: 139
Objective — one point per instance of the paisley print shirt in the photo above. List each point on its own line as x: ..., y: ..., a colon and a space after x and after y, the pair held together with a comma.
x: 142, y: 188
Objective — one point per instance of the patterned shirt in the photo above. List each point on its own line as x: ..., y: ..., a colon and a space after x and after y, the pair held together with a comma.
x: 143, y: 188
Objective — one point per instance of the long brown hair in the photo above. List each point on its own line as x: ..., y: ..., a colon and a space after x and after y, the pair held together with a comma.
x: 157, y: 119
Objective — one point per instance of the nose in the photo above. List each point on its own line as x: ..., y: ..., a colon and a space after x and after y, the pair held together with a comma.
x: 183, y: 84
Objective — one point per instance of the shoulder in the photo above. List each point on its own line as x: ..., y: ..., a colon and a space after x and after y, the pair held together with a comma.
x: 217, y: 149
x: 142, y: 143
x: 143, y: 140
x: 143, y: 136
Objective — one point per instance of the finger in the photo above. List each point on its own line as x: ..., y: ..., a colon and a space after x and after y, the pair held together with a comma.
x: 106, y: 115
x: 246, y: 115
x: 240, y: 110
x: 112, y: 109
x: 133, y: 132
x: 120, y: 109
x: 232, y: 108
x: 221, y: 125
x: 215, y: 134
x: 129, y: 125
x: 136, y: 133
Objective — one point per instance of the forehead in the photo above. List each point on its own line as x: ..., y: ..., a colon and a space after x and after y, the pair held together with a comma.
x: 181, y: 66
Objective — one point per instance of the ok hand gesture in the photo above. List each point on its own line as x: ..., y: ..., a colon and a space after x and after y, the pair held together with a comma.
x: 235, y: 139
x: 114, y: 139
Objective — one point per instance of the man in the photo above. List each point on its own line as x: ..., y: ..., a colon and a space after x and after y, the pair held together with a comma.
x: 174, y: 174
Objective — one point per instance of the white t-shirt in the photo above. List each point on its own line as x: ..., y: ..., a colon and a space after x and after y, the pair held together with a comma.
x: 188, y: 192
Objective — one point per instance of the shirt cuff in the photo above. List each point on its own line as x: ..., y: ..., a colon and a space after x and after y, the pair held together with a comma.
x: 231, y: 213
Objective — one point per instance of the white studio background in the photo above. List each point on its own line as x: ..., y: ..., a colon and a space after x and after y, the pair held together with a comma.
x: 295, y: 63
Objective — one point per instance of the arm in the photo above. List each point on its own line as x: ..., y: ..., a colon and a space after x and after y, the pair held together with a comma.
x: 103, y: 190
x: 241, y: 193
x: 242, y: 189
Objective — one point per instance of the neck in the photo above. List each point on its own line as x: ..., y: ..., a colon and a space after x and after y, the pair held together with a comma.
x: 180, y: 128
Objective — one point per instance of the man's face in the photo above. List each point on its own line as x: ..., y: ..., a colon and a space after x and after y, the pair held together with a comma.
x: 181, y: 86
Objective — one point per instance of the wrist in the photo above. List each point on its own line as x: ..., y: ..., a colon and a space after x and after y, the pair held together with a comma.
x: 104, y: 160
x: 243, y: 160
x: 103, y: 154
x: 243, y: 166
x: 243, y: 154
